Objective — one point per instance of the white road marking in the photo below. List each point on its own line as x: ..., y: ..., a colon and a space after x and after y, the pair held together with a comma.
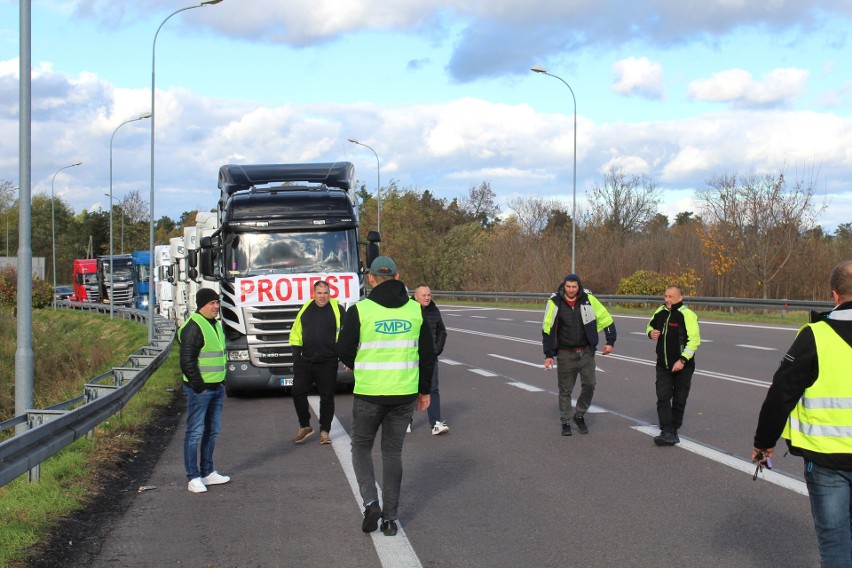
x: 505, y: 319
x: 735, y: 463
x: 393, y: 552
x: 483, y: 372
x: 758, y: 347
x: 525, y: 386
x: 536, y: 365
x: 449, y: 361
x: 532, y: 321
x: 479, y: 317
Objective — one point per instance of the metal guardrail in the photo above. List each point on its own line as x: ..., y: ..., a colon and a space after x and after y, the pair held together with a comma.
x: 732, y: 303
x: 53, y: 428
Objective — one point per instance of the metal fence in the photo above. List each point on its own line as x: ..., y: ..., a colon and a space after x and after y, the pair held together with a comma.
x: 51, y: 429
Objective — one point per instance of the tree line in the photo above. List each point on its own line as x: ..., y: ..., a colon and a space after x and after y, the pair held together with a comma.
x: 750, y: 236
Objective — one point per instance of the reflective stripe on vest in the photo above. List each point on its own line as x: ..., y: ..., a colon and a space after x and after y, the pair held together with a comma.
x: 388, y: 360
x: 822, y: 419
x: 211, y: 359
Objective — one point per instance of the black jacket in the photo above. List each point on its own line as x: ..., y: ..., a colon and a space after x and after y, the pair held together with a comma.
x: 799, y: 370
x: 390, y: 294
x: 191, y: 341
x: 432, y: 319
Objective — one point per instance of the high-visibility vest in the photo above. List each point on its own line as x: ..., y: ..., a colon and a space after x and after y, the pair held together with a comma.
x: 296, y: 331
x: 388, y: 361
x: 211, y: 360
x: 822, y: 419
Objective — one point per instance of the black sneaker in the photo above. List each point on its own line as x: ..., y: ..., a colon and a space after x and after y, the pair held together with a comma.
x: 581, y: 424
x: 666, y: 438
x: 566, y: 429
x: 372, y: 512
x: 389, y: 528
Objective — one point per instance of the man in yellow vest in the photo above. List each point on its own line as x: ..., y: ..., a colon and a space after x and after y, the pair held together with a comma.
x: 312, y: 340
x: 810, y: 405
x: 384, y: 341
x: 202, y: 362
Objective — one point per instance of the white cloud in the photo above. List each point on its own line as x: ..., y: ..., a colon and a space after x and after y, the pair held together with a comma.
x: 737, y: 86
x: 638, y: 76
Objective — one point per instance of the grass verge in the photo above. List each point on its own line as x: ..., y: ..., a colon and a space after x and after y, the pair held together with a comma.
x: 72, y: 478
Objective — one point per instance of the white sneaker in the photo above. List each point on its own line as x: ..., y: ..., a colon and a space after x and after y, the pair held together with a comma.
x: 196, y: 485
x: 439, y: 428
x: 215, y: 478
x: 408, y: 428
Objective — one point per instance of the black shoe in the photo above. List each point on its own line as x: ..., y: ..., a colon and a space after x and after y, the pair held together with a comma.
x: 581, y: 424
x: 372, y: 512
x: 666, y: 438
x: 566, y: 429
x: 676, y: 437
x: 389, y: 528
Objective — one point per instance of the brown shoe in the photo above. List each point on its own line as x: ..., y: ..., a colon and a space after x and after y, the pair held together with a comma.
x: 324, y: 437
x: 303, y: 434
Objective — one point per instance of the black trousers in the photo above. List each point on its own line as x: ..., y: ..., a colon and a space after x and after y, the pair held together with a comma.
x: 305, y: 375
x: 672, y: 392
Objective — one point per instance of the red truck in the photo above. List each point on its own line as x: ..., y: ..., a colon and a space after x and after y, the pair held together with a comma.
x: 86, y: 287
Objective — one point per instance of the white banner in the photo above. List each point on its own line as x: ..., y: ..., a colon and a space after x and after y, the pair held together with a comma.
x: 282, y: 289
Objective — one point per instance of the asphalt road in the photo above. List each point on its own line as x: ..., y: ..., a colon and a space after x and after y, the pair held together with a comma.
x: 502, y: 488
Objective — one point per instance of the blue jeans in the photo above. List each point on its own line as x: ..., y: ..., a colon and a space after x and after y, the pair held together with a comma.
x: 367, y: 417
x: 203, y: 421
x: 829, y: 491
x: 434, y: 410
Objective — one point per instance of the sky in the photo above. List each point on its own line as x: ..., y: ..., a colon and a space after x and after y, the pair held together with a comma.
x: 679, y: 90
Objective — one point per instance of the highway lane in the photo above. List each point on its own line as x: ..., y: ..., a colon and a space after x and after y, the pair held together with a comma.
x: 503, y: 488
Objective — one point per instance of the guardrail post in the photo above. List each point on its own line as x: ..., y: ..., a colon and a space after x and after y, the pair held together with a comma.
x: 35, y: 418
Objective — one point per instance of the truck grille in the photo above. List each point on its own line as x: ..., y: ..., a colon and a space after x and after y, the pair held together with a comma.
x: 268, y: 335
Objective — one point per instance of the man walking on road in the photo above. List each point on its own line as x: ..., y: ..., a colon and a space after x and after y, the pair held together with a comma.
x: 312, y: 340
x: 572, y: 320
x: 385, y: 343
x: 202, y: 362
x: 809, y: 405
x: 675, y: 329
x: 432, y: 320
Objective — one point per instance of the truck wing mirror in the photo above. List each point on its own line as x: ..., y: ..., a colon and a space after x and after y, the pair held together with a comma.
x: 374, y: 237
x: 206, y: 242
x: 207, y: 262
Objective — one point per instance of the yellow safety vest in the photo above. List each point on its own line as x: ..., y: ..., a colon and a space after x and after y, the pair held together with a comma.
x: 296, y: 332
x: 388, y: 360
x: 822, y: 419
x: 211, y: 360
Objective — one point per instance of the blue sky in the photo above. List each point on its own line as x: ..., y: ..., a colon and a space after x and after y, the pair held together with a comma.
x: 678, y: 90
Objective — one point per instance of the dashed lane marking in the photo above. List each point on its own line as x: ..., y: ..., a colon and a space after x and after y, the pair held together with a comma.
x: 758, y: 347
x: 483, y: 372
x: 393, y: 552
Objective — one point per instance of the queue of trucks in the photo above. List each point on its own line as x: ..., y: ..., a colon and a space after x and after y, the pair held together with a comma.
x: 277, y: 229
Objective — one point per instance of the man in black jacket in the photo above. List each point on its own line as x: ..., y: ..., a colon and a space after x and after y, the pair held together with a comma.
x: 809, y: 404
x: 202, y: 362
x: 432, y: 320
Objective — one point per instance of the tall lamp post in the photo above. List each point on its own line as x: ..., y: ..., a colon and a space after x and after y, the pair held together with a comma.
x: 7, y: 231
x: 151, y: 197
x: 378, y: 185
x: 111, y: 279
x: 112, y: 200
x: 53, y: 225
x: 542, y: 70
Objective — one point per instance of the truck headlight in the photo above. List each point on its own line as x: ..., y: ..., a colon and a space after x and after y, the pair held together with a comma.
x: 238, y: 355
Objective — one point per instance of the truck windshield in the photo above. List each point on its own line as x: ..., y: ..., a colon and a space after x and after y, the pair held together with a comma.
x: 141, y: 272
x: 249, y: 254
x: 90, y: 278
x: 122, y: 274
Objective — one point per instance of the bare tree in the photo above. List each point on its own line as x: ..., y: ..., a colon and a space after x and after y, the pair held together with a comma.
x: 624, y: 205
x: 134, y: 207
x: 533, y: 213
x: 480, y: 204
x: 7, y: 194
x: 761, y: 220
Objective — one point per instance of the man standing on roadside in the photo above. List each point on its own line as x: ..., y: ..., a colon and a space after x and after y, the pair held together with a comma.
x: 572, y: 320
x: 808, y: 404
x: 432, y: 320
x: 385, y: 343
x: 202, y: 362
x: 675, y: 329
x: 312, y: 340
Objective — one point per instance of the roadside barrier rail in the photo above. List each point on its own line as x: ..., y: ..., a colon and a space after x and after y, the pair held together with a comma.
x: 53, y: 428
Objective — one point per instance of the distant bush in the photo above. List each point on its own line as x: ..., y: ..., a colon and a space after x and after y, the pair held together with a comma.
x: 42, y: 291
x: 650, y: 283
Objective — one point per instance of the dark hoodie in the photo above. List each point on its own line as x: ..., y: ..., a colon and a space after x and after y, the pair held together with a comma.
x: 553, y: 338
x: 799, y: 370
x: 389, y: 294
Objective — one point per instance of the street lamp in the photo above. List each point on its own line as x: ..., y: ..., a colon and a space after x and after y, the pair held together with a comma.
x: 378, y: 185
x: 53, y: 225
x: 540, y: 69
x: 111, y: 280
x: 151, y: 197
x: 7, y: 229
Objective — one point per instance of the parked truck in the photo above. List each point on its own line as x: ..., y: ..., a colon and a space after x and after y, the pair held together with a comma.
x: 280, y: 228
x: 121, y: 280
x: 162, y: 285
x: 141, y: 262
x: 85, y: 281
